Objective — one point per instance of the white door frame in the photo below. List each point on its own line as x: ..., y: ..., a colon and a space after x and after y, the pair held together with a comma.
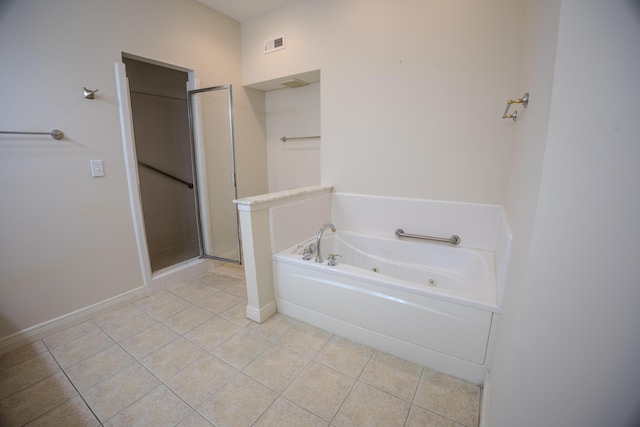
x: 169, y: 276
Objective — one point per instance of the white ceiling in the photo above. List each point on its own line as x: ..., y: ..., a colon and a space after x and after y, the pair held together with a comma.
x: 241, y: 10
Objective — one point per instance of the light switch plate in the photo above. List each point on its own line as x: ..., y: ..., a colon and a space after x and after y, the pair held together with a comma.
x: 97, y: 168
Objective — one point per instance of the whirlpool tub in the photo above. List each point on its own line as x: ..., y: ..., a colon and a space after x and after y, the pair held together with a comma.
x: 430, y: 303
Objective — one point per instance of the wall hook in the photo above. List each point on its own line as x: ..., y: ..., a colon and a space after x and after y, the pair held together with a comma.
x: 524, y: 101
x: 88, y: 93
x: 513, y: 116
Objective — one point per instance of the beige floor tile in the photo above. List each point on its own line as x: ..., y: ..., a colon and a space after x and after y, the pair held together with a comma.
x: 283, y: 413
x: 194, y: 290
x: 239, y: 289
x: 450, y: 397
x: 195, y: 420
x: 158, y: 408
x: 393, y: 375
x: 166, y: 307
x: 149, y: 340
x: 345, y: 356
x: 188, y: 319
x: 116, y: 314
x: 419, y: 417
x: 211, y: 333
x: 99, y: 367
x: 368, y: 406
x: 112, y: 395
x: 276, y: 368
x: 19, y: 355
x: 131, y: 322
x: 36, y: 400
x: 237, y: 314
x: 274, y: 327
x: 198, y: 381
x: 319, y: 389
x: 222, y: 301
x: 238, y: 403
x: 242, y: 348
x: 70, y: 334
x: 231, y: 270
x: 219, y: 280
x: 152, y: 300
x: 80, y: 347
x: 172, y: 358
x: 73, y: 413
x: 305, y: 339
x: 29, y: 372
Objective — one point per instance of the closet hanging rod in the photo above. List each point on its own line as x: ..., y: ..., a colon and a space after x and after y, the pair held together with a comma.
x: 55, y: 134
x: 285, y: 138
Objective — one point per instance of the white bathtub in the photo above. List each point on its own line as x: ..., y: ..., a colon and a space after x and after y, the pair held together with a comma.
x: 430, y: 303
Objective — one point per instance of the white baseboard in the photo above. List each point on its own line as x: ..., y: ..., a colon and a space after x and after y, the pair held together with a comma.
x: 43, y: 330
x: 260, y: 315
x: 484, y: 403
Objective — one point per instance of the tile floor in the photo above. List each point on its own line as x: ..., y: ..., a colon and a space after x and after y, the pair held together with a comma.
x: 188, y: 356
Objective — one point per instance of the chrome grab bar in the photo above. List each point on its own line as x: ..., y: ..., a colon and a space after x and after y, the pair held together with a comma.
x: 161, y: 172
x: 454, y: 240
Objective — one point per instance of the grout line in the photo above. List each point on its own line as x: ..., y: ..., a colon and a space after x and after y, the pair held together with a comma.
x: 357, y: 380
x: 72, y: 384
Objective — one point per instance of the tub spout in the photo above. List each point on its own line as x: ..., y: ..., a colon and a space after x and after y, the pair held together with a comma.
x: 324, y: 226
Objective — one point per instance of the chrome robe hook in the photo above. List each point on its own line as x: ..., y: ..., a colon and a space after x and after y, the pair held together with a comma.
x: 88, y: 93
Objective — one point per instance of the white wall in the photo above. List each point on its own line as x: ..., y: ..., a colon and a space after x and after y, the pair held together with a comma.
x: 568, y: 348
x: 412, y: 91
x: 66, y: 239
x: 293, y: 112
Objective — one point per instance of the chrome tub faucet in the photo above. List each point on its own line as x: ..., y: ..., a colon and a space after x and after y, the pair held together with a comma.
x: 324, y: 226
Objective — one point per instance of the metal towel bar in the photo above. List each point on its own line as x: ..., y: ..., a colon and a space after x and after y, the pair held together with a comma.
x: 454, y: 240
x: 285, y: 139
x: 55, y: 134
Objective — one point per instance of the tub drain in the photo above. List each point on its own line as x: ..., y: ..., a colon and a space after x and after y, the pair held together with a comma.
x: 375, y: 269
x: 432, y: 281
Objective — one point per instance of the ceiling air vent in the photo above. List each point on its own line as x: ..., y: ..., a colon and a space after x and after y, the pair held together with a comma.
x: 274, y: 44
x: 294, y: 83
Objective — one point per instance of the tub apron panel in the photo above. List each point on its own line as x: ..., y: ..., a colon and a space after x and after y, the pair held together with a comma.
x: 440, y: 326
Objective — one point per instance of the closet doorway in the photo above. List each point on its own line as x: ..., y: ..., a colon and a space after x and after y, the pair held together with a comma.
x: 161, y: 130
x: 172, y: 166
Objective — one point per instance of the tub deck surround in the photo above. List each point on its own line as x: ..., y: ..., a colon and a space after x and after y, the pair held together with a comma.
x: 263, y: 201
x: 447, y: 326
x: 480, y: 226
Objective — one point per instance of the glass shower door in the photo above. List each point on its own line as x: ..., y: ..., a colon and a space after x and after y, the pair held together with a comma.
x: 211, y: 120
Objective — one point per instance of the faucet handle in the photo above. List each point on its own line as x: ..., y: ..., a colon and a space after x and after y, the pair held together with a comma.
x: 331, y: 260
x: 306, y: 253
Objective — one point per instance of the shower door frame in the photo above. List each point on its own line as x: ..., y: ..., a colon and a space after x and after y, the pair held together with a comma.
x: 199, y: 183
